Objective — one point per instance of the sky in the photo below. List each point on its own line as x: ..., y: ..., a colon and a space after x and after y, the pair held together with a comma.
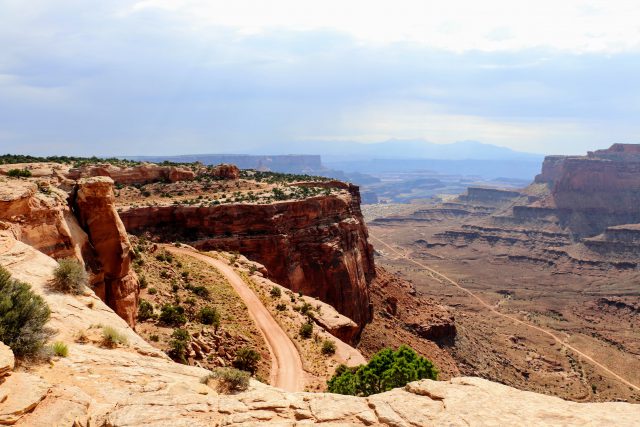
x: 156, y: 77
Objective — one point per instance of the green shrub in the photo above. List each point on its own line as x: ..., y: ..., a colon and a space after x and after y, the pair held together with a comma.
x: 275, y: 292
x: 152, y: 291
x: 247, y: 360
x: 209, y: 316
x: 328, y: 347
x: 306, y: 330
x: 19, y: 173
x: 145, y: 310
x: 281, y: 307
x: 178, y: 345
x: 165, y: 256
x: 201, y: 291
x: 60, y: 349
x: 228, y: 380
x: 111, y: 337
x: 172, y: 315
x: 386, y: 370
x: 143, y: 282
x: 23, y: 316
x: 154, y: 338
x: 306, y: 308
x: 70, y: 276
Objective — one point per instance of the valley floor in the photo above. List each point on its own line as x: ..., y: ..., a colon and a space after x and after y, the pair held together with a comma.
x: 533, y: 326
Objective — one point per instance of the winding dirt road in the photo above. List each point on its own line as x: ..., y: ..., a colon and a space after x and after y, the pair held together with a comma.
x: 286, y: 365
x: 492, y: 309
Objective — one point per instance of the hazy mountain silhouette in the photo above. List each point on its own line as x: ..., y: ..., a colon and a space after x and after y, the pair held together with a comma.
x: 399, y: 149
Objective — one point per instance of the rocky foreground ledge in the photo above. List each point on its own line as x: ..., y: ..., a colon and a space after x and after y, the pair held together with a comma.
x: 136, y: 385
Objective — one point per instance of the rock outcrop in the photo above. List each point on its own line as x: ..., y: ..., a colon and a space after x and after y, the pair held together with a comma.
x: 489, y: 195
x: 225, y: 171
x: 41, y: 217
x: 95, y: 205
x: 144, y: 173
x: 83, y: 225
x: 317, y: 246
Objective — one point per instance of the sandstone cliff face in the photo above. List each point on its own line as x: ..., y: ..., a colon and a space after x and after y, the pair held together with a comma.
x: 84, y: 226
x: 590, y: 193
x: 141, y: 174
x: 41, y: 218
x: 551, y: 169
x: 94, y: 203
x: 317, y: 246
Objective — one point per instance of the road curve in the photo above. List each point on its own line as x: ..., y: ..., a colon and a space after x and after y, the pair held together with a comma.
x: 506, y: 316
x: 286, y: 365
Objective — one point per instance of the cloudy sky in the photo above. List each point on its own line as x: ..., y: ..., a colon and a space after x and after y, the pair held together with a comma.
x: 204, y: 76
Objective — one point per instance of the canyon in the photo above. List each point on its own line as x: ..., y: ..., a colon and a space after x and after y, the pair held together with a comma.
x: 547, y: 255
x: 137, y: 385
x: 308, y: 237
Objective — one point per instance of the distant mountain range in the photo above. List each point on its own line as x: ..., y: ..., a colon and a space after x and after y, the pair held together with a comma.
x: 336, y: 151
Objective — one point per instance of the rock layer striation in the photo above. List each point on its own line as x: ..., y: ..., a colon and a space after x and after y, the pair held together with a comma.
x: 317, y: 246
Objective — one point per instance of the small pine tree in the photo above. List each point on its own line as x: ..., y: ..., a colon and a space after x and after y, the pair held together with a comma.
x: 386, y: 370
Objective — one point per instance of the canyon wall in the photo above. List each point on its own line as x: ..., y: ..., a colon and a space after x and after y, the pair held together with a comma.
x: 590, y: 193
x: 551, y: 169
x: 317, y: 246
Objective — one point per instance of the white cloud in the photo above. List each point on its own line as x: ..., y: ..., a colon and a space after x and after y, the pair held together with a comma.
x: 458, y: 25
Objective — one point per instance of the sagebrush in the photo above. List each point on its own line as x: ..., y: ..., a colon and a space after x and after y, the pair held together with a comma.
x: 228, y: 380
x: 23, y: 316
x: 70, y: 276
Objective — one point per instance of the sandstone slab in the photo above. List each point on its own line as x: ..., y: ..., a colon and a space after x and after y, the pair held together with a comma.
x: 19, y: 394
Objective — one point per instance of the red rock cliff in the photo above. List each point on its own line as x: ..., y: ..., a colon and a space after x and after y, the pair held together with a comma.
x: 95, y: 205
x: 590, y: 193
x: 317, y: 246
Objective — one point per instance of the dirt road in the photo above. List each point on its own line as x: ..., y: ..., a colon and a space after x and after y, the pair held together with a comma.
x: 286, y: 365
x: 493, y: 310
